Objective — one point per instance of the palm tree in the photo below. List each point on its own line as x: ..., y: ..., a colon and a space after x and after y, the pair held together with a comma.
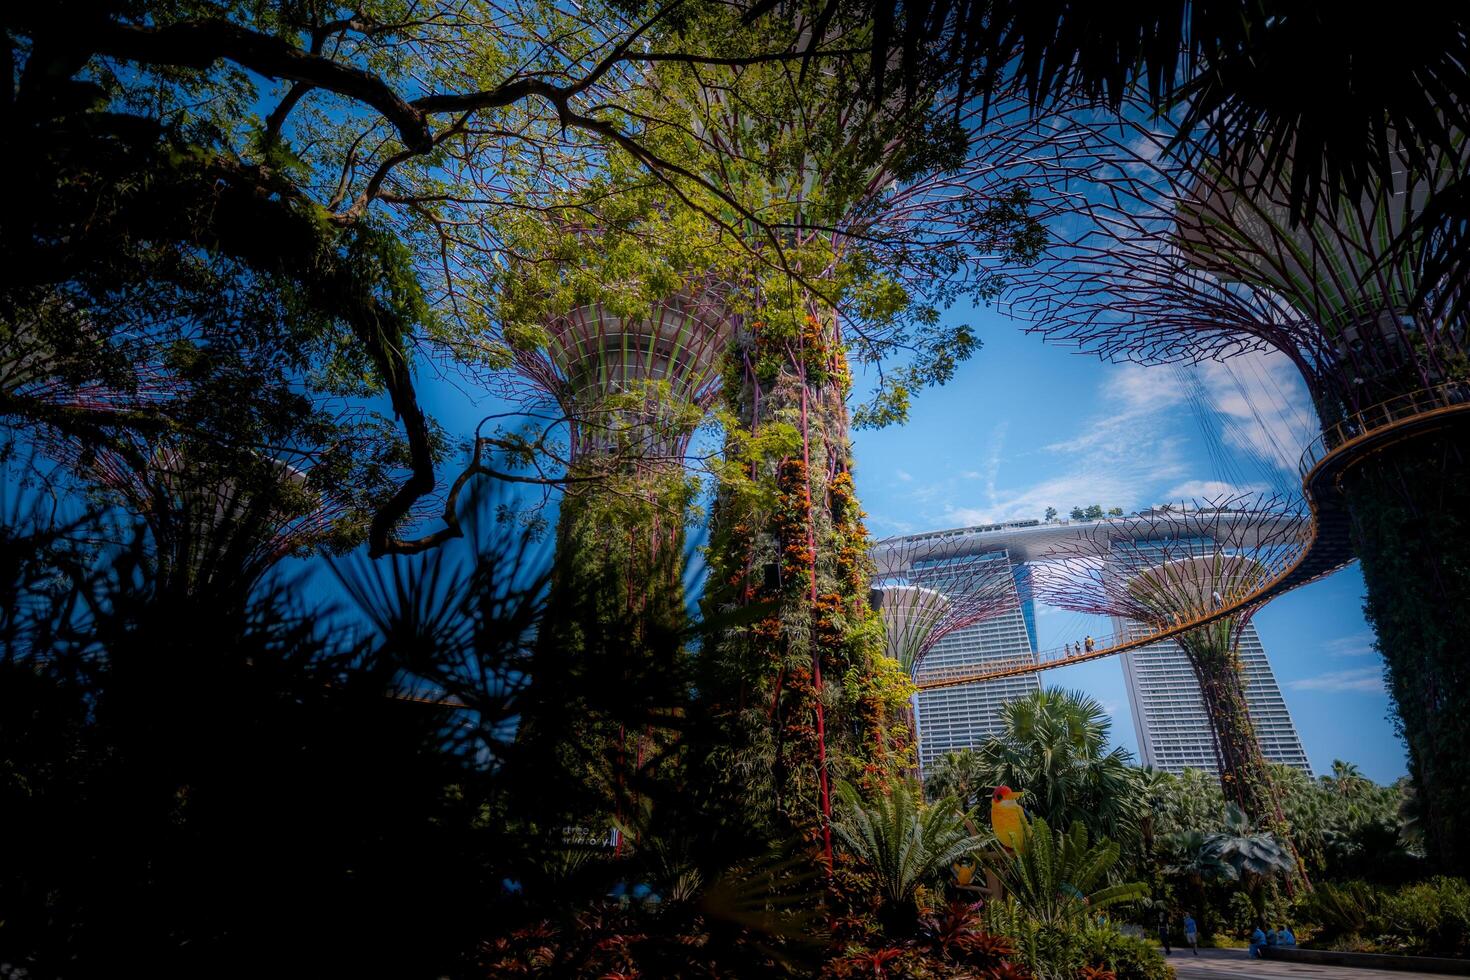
x: 1054, y: 746
x: 1255, y: 857
x: 1056, y: 879
x: 903, y: 842
x: 958, y: 774
x: 1347, y: 780
x: 1195, y: 859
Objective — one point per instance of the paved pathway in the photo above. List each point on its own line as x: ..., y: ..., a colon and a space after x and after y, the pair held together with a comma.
x: 1217, y: 964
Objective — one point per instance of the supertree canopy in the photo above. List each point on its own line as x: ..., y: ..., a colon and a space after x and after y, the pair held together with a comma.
x: 51, y: 376
x: 1170, y: 255
x: 922, y: 594
x: 1170, y: 567
x: 1175, y: 256
x: 632, y: 388
x: 219, y: 523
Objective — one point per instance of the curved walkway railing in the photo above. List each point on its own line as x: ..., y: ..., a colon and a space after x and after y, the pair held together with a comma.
x: 1326, y: 545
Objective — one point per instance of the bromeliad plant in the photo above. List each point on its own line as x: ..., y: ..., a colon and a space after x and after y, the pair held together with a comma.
x: 902, y: 842
x: 1061, y: 876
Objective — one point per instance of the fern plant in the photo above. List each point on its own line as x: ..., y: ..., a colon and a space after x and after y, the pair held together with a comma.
x: 1062, y: 875
x: 903, y: 843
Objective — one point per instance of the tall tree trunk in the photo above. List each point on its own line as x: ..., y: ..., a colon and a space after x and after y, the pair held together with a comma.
x: 800, y: 682
x: 1244, y: 775
x: 1410, y: 505
x: 606, y: 670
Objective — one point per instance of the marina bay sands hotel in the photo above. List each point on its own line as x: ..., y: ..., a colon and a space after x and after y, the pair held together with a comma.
x: 1168, y: 714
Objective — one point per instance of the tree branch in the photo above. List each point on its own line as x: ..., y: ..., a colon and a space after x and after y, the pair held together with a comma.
x: 198, y: 44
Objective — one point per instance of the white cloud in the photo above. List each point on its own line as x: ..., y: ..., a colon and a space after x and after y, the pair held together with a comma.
x: 1264, y: 407
x: 1356, y: 645
x: 1114, y: 458
x: 1134, y: 397
x: 1359, y: 680
x: 881, y: 527
x: 903, y: 476
x: 1120, y: 454
x: 1203, y: 490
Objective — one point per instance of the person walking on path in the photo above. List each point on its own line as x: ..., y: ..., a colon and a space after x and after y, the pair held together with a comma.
x: 1164, y: 931
x: 1191, y: 933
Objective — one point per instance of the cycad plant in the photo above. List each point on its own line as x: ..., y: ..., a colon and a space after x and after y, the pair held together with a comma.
x: 1055, y: 748
x: 1062, y: 875
x: 902, y: 842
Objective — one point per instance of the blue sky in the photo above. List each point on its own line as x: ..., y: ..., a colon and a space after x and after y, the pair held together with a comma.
x: 1025, y: 425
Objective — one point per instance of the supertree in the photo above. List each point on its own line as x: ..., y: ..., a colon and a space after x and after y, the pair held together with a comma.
x: 1168, y: 567
x: 922, y: 594
x: 67, y: 382
x: 631, y: 388
x: 1174, y: 256
x: 629, y: 381
x: 877, y: 216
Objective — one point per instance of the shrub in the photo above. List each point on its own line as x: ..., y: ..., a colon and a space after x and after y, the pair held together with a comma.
x: 903, y: 843
x: 1126, y: 957
x: 1339, y: 910
x: 1431, y: 918
x: 1067, y: 951
x: 1061, y: 876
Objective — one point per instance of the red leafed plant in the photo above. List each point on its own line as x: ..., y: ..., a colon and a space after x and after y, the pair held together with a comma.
x: 954, y: 933
x: 868, y: 964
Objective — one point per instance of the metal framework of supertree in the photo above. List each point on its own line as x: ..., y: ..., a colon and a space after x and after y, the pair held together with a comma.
x: 633, y: 388
x: 923, y: 595
x: 1168, y: 256
x: 35, y: 372
x: 215, y: 529
x: 1167, y: 567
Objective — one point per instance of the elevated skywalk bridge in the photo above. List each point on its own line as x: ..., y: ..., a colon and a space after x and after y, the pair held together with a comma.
x: 1326, y: 538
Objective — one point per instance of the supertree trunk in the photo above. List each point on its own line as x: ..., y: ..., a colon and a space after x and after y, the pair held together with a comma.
x: 803, y: 684
x: 608, y: 663
x: 1411, y: 520
x: 1244, y: 775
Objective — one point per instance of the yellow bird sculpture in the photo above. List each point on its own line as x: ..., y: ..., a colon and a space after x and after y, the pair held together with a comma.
x: 1007, y: 819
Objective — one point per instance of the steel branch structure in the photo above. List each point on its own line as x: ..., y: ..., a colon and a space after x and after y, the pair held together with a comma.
x: 633, y: 386
x: 1175, y: 564
x: 218, y: 523
x: 37, y: 370
x: 924, y: 595
x: 1171, y: 256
